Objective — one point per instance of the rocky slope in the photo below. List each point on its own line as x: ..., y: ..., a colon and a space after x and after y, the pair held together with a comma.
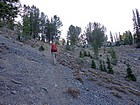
x: 28, y: 77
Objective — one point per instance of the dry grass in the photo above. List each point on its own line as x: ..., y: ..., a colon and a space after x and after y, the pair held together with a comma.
x: 91, y: 79
x: 116, y: 83
x: 126, y: 89
x: 135, y: 92
x: 120, y: 89
x: 116, y: 94
x: 3, y: 47
x: 94, y: 72
x: 100, y: 83
x: 106, y: 80
x: 75, y: 92
x: 78, y: 76
x: 86, y: 74
x: 109, y: 87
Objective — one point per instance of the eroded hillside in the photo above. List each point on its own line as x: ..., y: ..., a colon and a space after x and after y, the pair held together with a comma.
x: 28, y: 77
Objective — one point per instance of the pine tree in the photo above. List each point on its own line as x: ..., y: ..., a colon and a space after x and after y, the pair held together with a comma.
x: 55, y: 25
x: 101, y: 66
x: 93, y: 65
x: 113, y: 56
x: 109, y: 67
x: 104, y: 67
x: 88, y: 54
x: 26, y: 29
x: 136, y: 19
x: 34, y: 18
x: 95, y: 35
x: 85, y: 53
x: 130, y: 75
x: 95, y: 49
x: 9, y: 9
x: 43, y: 26
x: 73, y: 34
x: 63, y: 41
x: 81, y: 55
x: 111, y: 37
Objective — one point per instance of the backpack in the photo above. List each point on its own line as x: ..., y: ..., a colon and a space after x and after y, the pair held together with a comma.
x: 54, y: 48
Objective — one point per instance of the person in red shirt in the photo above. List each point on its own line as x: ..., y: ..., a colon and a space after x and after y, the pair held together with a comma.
x: 54, y: 51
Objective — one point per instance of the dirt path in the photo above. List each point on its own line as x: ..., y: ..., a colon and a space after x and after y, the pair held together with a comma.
x: 28, y: 77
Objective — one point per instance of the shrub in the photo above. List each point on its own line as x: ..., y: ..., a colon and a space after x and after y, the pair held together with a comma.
x: 78, y: 76
x: 116, y: 94
x: 41, y: 48
x: 93, y: 65
x: 75, y: 92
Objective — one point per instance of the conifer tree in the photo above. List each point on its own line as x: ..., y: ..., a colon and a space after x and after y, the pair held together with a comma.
x: 111, y: 37
x: 9, y: 10
x: 73, y: 34
x: 104, y: 67
x: 63, y: 41
x: 88, y: 54
x: 109, y: 67
x: 136, y: 19
x: 113, y: 56
x: 101, y: 66
x: 93, y: 65
x: 95, y: 35
x: 130, y: 75
x: 81, y: 54
x: 85, y: 53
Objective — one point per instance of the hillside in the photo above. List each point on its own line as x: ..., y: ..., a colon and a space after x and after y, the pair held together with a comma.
x: 28, y: 77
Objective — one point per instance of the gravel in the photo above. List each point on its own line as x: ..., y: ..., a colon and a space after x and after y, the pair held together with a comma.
x: 28, y: 77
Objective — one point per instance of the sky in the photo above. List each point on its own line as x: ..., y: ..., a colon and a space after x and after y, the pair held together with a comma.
x: 115, y: 15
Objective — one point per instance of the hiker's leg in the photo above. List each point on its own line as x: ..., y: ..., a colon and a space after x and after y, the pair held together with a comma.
x: 54, y: 57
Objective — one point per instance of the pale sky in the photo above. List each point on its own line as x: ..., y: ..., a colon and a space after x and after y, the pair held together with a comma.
x: 115, y: 15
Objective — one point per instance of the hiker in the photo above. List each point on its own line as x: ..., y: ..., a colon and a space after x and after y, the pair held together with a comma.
x: 54, y: 51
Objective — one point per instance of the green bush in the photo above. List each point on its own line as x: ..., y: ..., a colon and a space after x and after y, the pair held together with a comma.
x: 41, y: 48
x: 93, y: 65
